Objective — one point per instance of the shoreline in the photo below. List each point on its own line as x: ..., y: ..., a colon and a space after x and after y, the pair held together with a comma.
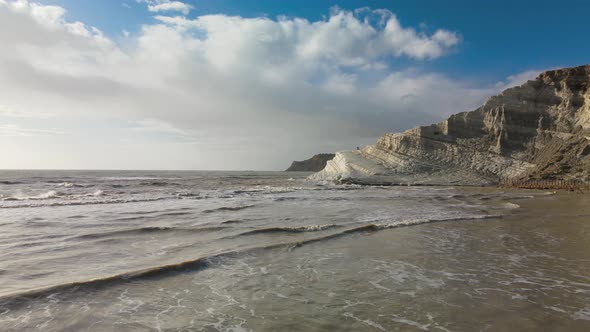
x: 569, y: 187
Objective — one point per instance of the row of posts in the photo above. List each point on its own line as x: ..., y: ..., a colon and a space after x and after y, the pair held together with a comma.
x: 571, y: 185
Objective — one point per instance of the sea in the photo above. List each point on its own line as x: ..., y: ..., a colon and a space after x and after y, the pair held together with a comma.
x: 274, y: 251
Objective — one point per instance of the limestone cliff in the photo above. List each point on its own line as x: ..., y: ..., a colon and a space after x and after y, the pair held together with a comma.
x: 313, y: 164
x: 538, y: 130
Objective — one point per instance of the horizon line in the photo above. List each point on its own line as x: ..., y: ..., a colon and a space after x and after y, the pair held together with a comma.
x: 140, y: 170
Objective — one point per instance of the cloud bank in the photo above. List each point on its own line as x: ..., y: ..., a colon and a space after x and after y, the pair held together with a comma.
x: 214, y: 91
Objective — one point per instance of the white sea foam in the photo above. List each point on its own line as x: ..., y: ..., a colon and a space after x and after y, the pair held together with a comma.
x: 583, y: 314
x: 556, y: 309
x: 77, y: 202
x: 49, y: 194
x: 417, y: 221
x: 95, y: 194
x: 312, y: 228
x: 409, y: 322
x: 21, y: 197
x: 266, y: 190
x: 365, y: 321
x: 511, y: 206
x: 70, y: 185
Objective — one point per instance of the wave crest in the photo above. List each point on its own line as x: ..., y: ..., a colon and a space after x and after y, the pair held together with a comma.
x: 228, y: 208
x: 46, y: 195
x: 204, y: 262
x: 301, y: 229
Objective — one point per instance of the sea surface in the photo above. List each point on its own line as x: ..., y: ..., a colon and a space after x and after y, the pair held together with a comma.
x: 272, y: 251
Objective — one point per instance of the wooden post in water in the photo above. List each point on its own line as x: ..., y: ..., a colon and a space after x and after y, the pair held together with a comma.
x: 545, y: 184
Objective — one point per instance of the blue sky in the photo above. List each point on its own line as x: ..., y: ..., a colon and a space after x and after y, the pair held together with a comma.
x: 235, y: 84
x: 500, y: 37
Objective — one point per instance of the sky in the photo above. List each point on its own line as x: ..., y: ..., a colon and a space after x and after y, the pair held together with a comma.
x: 253, y: 85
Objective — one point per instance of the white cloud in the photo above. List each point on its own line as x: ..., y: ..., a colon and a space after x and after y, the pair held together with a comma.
x: 519, y: 78
x: 14, y: 130
x: 215, y: 91
x: 344, y: 39
x: 50, y: 16
x: 168, y: 6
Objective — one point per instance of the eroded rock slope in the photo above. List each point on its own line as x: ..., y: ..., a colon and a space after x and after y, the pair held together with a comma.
x: 540, y: 130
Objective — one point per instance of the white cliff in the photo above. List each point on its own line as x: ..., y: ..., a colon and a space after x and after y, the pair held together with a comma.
x: 538, y: 130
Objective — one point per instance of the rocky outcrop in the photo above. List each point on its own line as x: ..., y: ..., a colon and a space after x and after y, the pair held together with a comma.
x: 313, y: 164
x: 540, y: 130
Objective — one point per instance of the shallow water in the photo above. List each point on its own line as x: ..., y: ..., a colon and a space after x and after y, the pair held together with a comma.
x: 219, y: 251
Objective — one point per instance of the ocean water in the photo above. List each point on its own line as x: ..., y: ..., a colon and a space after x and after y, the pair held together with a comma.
x: 253, y: 251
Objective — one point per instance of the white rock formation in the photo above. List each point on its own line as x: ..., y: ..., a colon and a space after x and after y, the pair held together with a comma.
x: 537, y: 130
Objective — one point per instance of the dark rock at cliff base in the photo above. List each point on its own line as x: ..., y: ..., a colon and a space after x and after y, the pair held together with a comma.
x: 539, y: 130
x: 313, y: 164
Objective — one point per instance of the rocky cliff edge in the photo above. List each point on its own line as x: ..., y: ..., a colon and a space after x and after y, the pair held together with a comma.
x: 539, y: 130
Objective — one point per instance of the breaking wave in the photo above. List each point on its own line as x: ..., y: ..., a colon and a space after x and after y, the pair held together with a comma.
x: 301, y: 229
x: 46, y: 195
x: 82, y: 202
x: 72, y: 185
x: 158, y: 216
x: 229, y: 208
x: 145, y: 230
x: 159, y: 183
x: 267, y: 190
x: 206, y: 261
x: 52, y: 194
x: 94, y: 194
x: 10, y: 182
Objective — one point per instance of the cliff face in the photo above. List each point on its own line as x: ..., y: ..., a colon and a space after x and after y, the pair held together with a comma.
x: 538, y: 130
x: 313, y: 164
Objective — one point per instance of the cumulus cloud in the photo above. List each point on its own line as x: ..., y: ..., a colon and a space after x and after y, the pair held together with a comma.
x: 168, y: 6
x: 344, y: 39
x: 214, y: 91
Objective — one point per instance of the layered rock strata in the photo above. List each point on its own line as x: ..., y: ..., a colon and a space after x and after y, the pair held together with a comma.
x: 540, y: 130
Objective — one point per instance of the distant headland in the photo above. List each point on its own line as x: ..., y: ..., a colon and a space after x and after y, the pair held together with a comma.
x: 313, y: 164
